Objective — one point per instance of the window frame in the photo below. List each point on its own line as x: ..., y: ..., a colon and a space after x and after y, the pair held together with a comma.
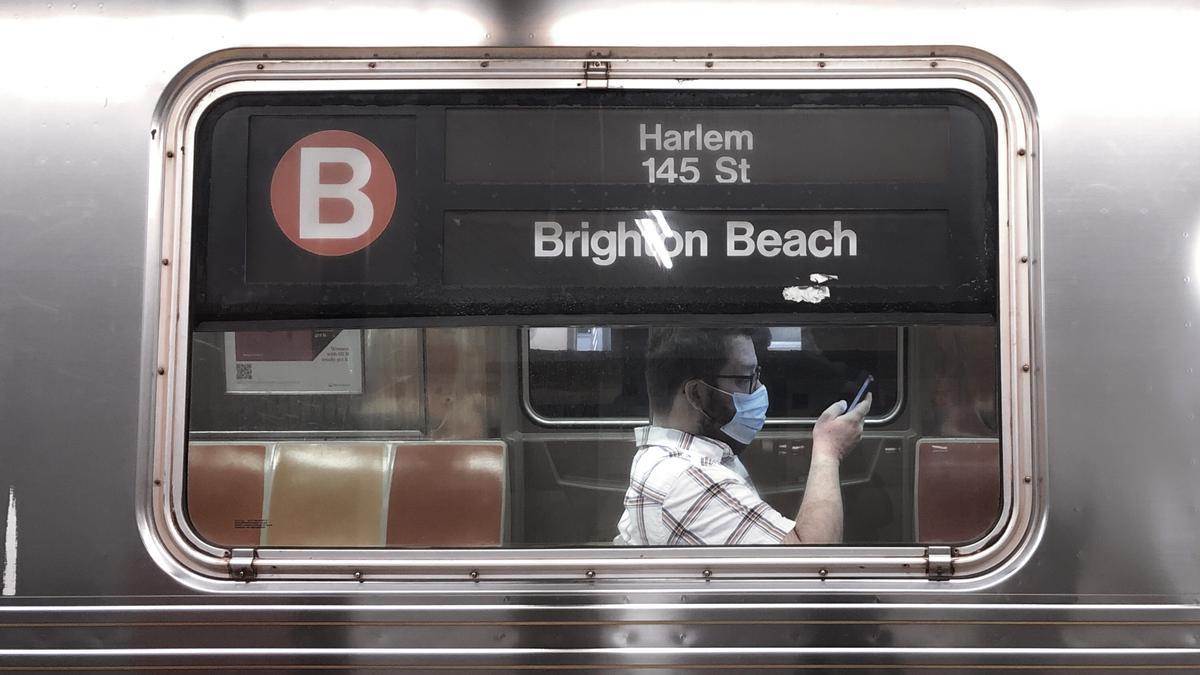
x: 629, y: 422
x: 855, y: 568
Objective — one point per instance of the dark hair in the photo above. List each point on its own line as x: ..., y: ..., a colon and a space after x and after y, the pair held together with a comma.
x: 675, y: 355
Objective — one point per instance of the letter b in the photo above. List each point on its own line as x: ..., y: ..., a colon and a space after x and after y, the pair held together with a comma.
x: 312, y: 191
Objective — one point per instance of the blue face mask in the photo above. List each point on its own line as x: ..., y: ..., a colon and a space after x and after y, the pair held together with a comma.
x: 750, y: 415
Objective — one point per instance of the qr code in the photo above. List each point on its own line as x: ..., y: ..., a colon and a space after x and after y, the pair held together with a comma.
x: 245, y: 371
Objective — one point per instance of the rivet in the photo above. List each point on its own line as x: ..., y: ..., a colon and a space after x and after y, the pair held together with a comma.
x: 1028, y: 479
x: 933, y: 64
x: 371, y: 64
x: 707, y: 573
x: 259, y: 66
x: 358, y: 575
x: 166, y: 262
x: 708, y: 64
x: 170, y: 154
x: 474, y: 574
x: 1024, y: 258
x: 590, y: 574
x: 820, y: 64
x: 822, y: 571
x: 1025, y: 367
x: 157, y: 481
x: 1021, y: 152
x: 483, y: 64
x: 162, y: 371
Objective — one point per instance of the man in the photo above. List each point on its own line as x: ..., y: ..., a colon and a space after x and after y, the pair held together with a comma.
x: 686, y: 485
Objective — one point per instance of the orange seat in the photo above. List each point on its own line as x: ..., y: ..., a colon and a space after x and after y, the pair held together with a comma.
x: 958, y: 489
x: 448, y: 493
x: 327, y: 494
x: 224, y: 499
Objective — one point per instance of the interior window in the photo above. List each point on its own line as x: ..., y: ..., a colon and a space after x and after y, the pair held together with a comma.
x: 804, y: 368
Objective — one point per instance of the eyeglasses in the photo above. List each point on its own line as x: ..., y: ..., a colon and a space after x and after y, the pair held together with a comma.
x: 755, y: 378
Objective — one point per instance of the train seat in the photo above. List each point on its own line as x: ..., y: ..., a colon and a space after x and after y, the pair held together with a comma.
x: 327, y: 494
x: 447, y: 493
x: 958, y: 489
x: 225, y: 491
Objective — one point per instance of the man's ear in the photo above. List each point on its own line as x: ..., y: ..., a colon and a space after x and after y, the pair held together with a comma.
x: 696, y: 395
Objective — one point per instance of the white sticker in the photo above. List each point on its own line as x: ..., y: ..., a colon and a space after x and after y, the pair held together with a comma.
x: 294, y: 362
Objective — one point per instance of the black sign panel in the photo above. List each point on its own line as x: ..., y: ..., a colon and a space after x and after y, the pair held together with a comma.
x: 272, y: 258
x: 433, y: 204
x: 698, y: 146
x: 690, y: 249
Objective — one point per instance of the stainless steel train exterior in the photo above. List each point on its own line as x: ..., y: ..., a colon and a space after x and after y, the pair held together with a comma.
x: 1097, y: 105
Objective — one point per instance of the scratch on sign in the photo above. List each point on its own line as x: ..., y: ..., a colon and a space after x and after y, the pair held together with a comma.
x: 9, y: 575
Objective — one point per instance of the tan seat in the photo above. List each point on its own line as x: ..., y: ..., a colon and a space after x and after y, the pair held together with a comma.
x: 958, y: 489
x: 225, y: 492
x: 327, y: 494
x: 447, y: 494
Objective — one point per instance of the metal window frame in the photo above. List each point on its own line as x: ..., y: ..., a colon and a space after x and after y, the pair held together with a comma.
x: 851, y: 569
x: 630, y: 422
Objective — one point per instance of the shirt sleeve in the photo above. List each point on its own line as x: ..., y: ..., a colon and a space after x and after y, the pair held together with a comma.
x: 713, y: 506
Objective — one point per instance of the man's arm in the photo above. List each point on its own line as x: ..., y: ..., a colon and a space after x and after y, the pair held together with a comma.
x: 819, y: 520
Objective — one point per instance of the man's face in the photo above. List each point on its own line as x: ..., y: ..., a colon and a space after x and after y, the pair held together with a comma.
x: 737, y: 375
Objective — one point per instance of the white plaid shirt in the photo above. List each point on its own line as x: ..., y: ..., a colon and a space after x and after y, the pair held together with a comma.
x: 686, y: 489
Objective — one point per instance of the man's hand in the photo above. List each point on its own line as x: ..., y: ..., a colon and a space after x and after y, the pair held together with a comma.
x: 836, y: 434
x: 819, y: 520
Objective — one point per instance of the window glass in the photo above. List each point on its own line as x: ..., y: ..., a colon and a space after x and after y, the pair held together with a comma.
x: 346, y: 430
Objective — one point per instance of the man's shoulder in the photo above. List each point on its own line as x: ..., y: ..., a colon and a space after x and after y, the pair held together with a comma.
x: 665, y: 464
x: 660, y: 458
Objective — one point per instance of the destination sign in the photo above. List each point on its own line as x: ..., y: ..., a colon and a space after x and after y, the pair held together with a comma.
x: 310, y: 207
x: 674, y: 249
x: 689, y: 146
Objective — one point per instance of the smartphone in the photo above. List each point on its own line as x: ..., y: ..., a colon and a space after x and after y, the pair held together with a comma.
x: 861, y: 390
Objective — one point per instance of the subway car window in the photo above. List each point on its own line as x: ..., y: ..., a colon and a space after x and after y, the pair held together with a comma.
x: 493, y: 320
x: 804, y: 368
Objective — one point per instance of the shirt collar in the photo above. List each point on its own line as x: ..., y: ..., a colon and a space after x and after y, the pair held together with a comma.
x: 707, y: 448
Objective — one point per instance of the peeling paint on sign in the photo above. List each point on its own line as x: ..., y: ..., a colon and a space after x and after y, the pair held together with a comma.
x: 813, y: 294
x: 8, y: 578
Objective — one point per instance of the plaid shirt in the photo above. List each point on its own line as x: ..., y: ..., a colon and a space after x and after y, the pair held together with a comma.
x: 686, y: 489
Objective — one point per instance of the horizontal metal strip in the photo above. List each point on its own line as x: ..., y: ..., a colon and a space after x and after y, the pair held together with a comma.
x: 684, y: 611
x: 694, y: 657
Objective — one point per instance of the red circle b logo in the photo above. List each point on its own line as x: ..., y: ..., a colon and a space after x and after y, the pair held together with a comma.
x: 333, y: 193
